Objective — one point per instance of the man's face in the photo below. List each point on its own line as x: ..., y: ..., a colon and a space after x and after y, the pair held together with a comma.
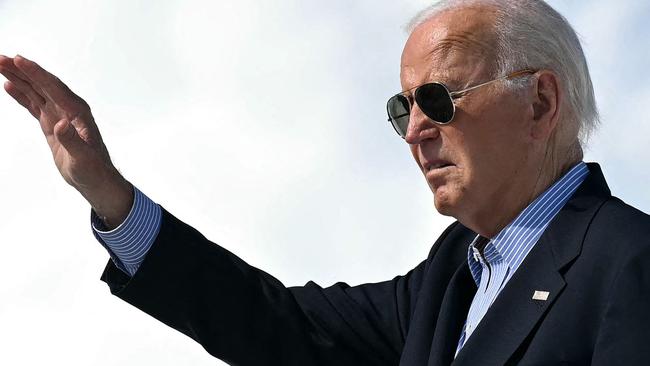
x: 478, y: 159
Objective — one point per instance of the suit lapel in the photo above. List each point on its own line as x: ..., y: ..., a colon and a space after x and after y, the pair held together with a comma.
x: 453, y: 313
x: 514, y: 314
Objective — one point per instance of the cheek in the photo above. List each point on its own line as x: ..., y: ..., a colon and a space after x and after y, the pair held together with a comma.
x: 490, y: 165
x: 493, y: 140
x: 504, y: 152
x: 456, y: 145
x: 477, y: 159
x: 483, y: 168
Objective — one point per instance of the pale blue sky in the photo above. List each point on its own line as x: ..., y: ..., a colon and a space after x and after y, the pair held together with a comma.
x: 263, y: 125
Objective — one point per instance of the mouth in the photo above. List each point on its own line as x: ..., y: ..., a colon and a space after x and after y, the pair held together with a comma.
x: 436, y: 165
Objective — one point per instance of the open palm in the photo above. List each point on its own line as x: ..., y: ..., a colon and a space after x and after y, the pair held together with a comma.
x: 70, y: 130
x: 65, y: 119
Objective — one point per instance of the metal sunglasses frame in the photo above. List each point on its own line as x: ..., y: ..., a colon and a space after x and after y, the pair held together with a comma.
x: 452, y: 95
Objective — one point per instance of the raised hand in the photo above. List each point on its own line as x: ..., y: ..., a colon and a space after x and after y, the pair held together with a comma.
x: 74, y: 139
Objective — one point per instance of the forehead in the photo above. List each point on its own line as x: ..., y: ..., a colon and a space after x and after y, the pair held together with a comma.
x: 455, y: 44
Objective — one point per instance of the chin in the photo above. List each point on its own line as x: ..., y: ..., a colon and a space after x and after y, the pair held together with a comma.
x: 446, y: 202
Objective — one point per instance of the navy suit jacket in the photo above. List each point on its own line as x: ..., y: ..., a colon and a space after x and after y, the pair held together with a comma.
x: 593, y: 259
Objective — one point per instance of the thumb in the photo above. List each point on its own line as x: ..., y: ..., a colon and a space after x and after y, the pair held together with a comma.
x: 68, y: 137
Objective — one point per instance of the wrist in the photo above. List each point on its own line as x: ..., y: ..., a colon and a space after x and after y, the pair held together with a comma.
x: 112, y: 201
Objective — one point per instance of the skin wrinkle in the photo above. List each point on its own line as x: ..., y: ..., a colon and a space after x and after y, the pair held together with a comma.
x: 455, y: 76
x: 464, y: 41
x: 444, y: 44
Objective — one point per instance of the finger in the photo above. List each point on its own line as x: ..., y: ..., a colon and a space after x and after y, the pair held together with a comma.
x: 22, y: 99
x: 23, y: 86
x: 7, y: 63
x: 51, y: 86
x: 68, y: 137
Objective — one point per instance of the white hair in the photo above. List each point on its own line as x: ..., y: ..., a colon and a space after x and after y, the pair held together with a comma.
x: 531, y: 34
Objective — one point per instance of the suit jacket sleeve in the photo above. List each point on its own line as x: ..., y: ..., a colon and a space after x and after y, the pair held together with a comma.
x: 244, y: 316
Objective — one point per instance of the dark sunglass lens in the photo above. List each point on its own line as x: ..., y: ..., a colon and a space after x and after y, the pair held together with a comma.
x: 398, y: 112
x: 434, y: 101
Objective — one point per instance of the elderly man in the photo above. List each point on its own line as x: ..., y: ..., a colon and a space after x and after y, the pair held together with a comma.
x: 543, y: 266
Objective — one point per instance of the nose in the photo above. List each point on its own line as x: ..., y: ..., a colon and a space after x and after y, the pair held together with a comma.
x: 420, y: 127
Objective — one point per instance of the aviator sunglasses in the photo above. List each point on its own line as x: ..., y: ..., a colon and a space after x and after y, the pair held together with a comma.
x: 435, y: 100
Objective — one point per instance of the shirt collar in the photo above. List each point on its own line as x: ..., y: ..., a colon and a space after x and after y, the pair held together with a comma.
x: 515, y: 241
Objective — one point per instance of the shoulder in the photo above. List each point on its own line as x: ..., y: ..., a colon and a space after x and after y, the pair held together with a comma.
x: 617, y: 219
x: 621, y: 231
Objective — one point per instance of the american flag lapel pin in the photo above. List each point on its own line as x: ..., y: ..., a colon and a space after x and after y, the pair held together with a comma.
x: 540, y: 295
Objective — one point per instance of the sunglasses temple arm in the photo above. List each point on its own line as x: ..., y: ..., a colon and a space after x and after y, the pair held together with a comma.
x: 459, y: 92
x: 507, y: 77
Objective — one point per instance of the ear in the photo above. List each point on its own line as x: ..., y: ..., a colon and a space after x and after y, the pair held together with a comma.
x: 546, y: 97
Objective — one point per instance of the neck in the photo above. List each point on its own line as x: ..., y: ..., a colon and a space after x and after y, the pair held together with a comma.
x: 514, y: 200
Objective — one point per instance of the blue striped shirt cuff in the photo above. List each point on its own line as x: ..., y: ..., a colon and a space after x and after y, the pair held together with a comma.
x: 129, y: 243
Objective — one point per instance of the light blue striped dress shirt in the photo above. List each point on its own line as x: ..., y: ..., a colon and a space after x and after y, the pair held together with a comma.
x: 500, y: 257
x: 129, y: 243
